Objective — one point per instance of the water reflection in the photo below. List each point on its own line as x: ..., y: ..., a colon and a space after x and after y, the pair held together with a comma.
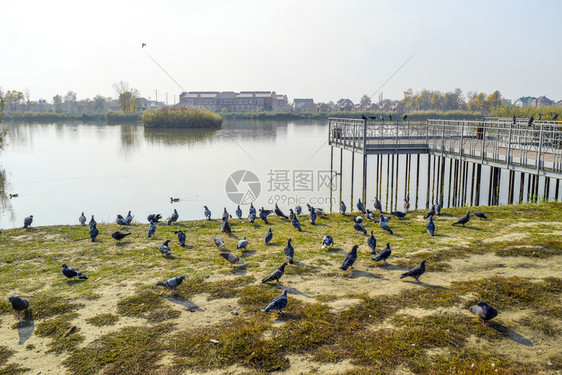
x: 5, y: 203
x: 173, y: 137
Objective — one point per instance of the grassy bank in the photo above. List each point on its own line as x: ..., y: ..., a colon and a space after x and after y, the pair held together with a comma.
x: 50, y: 117
x: 181, y: 117
x: 364, y: 321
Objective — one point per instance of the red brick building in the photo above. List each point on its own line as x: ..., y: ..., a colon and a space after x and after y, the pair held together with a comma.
x: 230, y: 101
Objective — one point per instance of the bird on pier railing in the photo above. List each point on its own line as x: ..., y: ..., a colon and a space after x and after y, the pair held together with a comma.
x: 389, y: 117
x: 404, y: 117
x: 530, y: 122
x: 514, y: 120
x: 540, y: 116
x: 374, y: 118
x: 363, y: 117
x: 143, y: 45
x: 555, y: 117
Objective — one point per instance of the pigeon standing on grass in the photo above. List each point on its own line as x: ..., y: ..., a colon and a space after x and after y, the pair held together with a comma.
x: 430, y: 226
x: 484, y: 312
x: 327, y: 241
x: 94, y: 232
x: 481, y: 215
x: 360, y: 206
x: 129, y: 218
x: 415, y: 272
x: 406, y: 204
x: 19, y: 304
x: 263, y: 216
x: 268, y: 237
x: 384, y: 225
x: 289, y: 251
x: 242, y: 244
x: 370, y: 215
x: 384, y: 254
x: 278, y: 303
x: 172, y: 284
x: 225, y: 226
x: 154, y: 217
x: 252, y: 209
x: 207, y: 213
x: 151, y: 229
x: 119, y: 235
x: 165, y: 249
x: 226, y: 215
x: 232, y: 258
x: 430, y: 213
x: 291, y: 214
x: 71, y: 273
x: 343, y: 208
x: 372, y: 242
x: 279, y: 213
x: 276, y: 275
x: 463, y: 220
x: 121, y: 221
x: 82, y: 219
x: 27, y: 221
x: 298, y: 210
x: 378, y: 205
x: 252, y: 217
x: 359, y: 227
x: 350, y: 258
x: 296, y: 223
x: 239, y: 212
x: 175, y: 216
x: 92, y: 222
x: 398, y: 214
x: 219, y: 242
x: 181, y: 237
x: 312, y: 217
x: 437, y: 208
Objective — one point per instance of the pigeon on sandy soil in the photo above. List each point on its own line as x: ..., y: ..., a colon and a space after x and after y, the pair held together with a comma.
x: 173, y: 283
x: 372, y: 242
x: 151, y: 229
x: 238, y: 212
x: 278, y: 303
x: 19, y: 304
x: 92, y: 222
x: 359, y: 228
x: 71, y: 273
x: 94, y: 232
x: 289, y: 251
x: 360, y: 206
x: 463, y: 220
x: 378, y: 205
x: 268, y: 237
x: 181, y: 237
x: 219, y: 242
x: 233, y: 259
x: 129, y: 218
x: 484, y: 312
x: 242, y: 244
x: 275, y: 275
x: 119, y: 235
x: 121, y: 221
x: 279, y: 213
x: 430, y: 226
x: 154, y: 218
x: 225, y: 226
x: 82, y: 219
x: 175, y: 216
x: 481, y: 215
x: 165, y: 249
x: 384, y: 225
x: 327, y: 241
x: 384, y: 254
x: 27, y: 221
x: 207, y: 213
x: 415, y: 272
x: 350, y: 258
x: 343, y: 208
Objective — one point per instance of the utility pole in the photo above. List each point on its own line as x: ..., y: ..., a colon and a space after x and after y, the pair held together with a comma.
x: 166, y: 98
x: 156, y: 91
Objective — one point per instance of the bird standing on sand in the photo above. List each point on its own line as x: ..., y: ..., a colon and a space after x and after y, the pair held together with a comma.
x: 327, y: 241
x: 172, y: 284
x: 181, y: 237
x: 343, y: 208
x: 350, y: 258
x: 71, y: 273
x: 232, y: 258
x: 119, y: 235
x: 384, y: 254
x: 430, y: 226
x: 207, y: 213
x: 275, y: 275
x: 151, y: 229
x: 268, y: 237
x: 175, y: 216
x: 19, y: 304
x: 278, y: 303
x: 463, y: 220
x: 372, y: 242
x: 360, y: 206
x: 27, y: 221
x: 384, y: 225
x: 484, y: 312
x: 415, y: 272
x: 165, y: 249
x: 121, y: 221
x: 82, y: 219
x: 289, y: 251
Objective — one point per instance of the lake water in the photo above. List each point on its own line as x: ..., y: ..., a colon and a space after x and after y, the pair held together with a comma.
x: 60, y: 170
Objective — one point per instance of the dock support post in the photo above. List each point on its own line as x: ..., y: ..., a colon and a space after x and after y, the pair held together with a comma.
x: 341, y: 176
x: 387, y: 181
x: 472, y: 185
x: 428, y: 180
x: 465, y: 183
x: 331, y: 174
x: 418, y: 181
x: 557, y: 188
x: 510, y: 187
x: 536, y: 189
x: 546, y: 188
x: 478, y: 183
x: 388, y: 207
x: 364, y: 178
x: 490, y: 188
x: 442, y: 181
x: 450, y: 179
x: 433, y: 200
x: 352, y: 173
x: 378, y: 181
x: 521, y: 187
x: 397, y: 179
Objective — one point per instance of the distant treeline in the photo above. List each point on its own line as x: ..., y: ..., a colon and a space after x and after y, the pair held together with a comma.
x: 49, y: 117
x: 181, y: 117
x: 545, y: 112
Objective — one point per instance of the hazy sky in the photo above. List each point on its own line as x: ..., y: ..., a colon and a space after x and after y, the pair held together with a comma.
x: 321, y: 49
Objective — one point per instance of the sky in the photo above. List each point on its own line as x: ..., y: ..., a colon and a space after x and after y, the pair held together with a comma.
x: 325, y: 50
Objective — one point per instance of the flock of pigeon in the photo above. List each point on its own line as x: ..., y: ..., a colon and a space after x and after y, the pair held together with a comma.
x: 482, y: 310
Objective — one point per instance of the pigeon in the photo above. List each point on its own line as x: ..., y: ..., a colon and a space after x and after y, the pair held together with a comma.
x: 359, y: 228
x: 154, y: 217
x: 289, y: 251
x: 378, y: 205
x: 173, y: 283
x: 207, y: 213
x: 363, y: 117
x: 296, y: 224
x: 164, y: 249
x: 398, y: 214
x: 232, y: 258
x: 319, y: 212
x: 239, y: 212
x: 484, y: 312
x: 385, y: 219
x: 266, y: 212
x: 370, y: 215
x: 252, y: 209
x: 298, y: 210
x: 372, y: 242
x: 479, y: 214
x: 514, y: 120
x: 327, y: 241
x: 275, y: 275
x: 404, y: 117
x: 291, y: 214
x: 350, y: 258
x: 129, y: 218
x: 312, y: 216
x: 268, y: 237
x: 278, y: 303
x: 309, y: 207
x: 175, y: 216
x: 360, y: 206
x: 121, y: 220
x: 406, y: 204
x: 151, y: 229
x: 92, y: 222
x: 82, y: 219
x: 415, y: 272
x: 27, y: 221
x: 463, y: 220
x: 555, y: 117
x: 430, y: 226
x: 219, y: 242
x: 119, y: 235
x: 225, y: 226
x: 252, y: 217
x: 384, y: 254
x: 242, y: 244
x: 94, y: 232
x: 19, y: 304
x: 530, y: 122
x: 343, y: 208
x: 226, y: 215
x: 390, y: 117
x: 172, y: 199
x: 437, y: 208
x: 70, y: 273
x: 181, y: 237
x: 384, y: 225
x: 279, y: 213
x: 263, y: 216
x: 430, y: 213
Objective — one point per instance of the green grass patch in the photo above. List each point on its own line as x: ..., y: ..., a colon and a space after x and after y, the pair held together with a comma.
x: 64, y: 336
x: 103, y: 320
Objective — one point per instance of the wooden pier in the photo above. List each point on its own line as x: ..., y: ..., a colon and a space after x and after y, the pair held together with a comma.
x: 534, y: 152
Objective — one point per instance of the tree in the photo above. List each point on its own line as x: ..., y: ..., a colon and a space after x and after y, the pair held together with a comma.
x: 12, y: 99
x: 57, y: 103
x: 477, y: 102
x: 365, y: 101
x: 3, y: 131
x: 493, y: 100
x: 127, y: 98
x: 70, y: 101
x: 99, y: 103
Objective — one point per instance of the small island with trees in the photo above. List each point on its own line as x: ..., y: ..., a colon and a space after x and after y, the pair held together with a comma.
x: 180, y: 117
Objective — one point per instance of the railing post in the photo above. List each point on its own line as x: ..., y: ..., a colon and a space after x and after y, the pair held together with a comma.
x: 364, y: 138
x: 540, y: 150
x: 443, y: 140
x: 462, y: 141
x: 508, y: 156
x: 483, y: 142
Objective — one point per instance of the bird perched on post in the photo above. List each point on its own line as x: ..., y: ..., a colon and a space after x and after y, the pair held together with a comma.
x: 242, y: 244
x: 143, y: 45
x: 129, y: 218
x: 415, y: 272
x: 82, y: 219
x: 484, y: 312
x: 378, y: 205
x: 151, y: 229
x: 384, y: 254
x: 350, y: 258
x: 279, y: 213
x: 268, y: 237
x: 71, y: 273
x: 289, y: 251
x: 172, y: 284
x: 372, y: 242
x: 343, y: 208
x: 119, y: 235
x: 207, y: 213
x: 232, y: 258
x: 327, y: 241
x: 165, y: 249
x: 384, y: 225
x: 27, y: 221
x: 175, y: 216
x: 275, y: 275
x: 181, y: 237
x: 463, y: 220
x: 94, y: 232
x: 389, y: 117
x: 430, y: 226
x: 404, y: 117
x: 360, y: 206
x: 278, y: 303
x: 530, y: 122
x: 239, y: 212
x: 121, y: 221
x: 19, y: 304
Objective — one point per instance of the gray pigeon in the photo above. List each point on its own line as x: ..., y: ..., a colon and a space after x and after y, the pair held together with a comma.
x: 279, y: 213
x: 121, y: 220
x: 219, y: 242
x: 430, y: 226
x: 181, y: 237
x: 291, y: 214
x: 372, y: 242
x: 484, y: 312
x: 384, y: 225
x: 360, y: 206
x: 207, y: 213
x: 19, y: 304
x: 175, y: 216
x: 173, y: 283
x: 151, y: 229
x: 239, y: 212
x: 252, y: 217
x: 431, y: 212
x: 481, y: 215
x: 225, y: 226
x: 350, y: 258
x: 463, y: 220
x: 226, y: 215
x: 82, y: 219
x: 232, y: 258
x: 327, y: 241
x: 164, y: 249
x: 370, y: 215
x: 289, y: 251
x: 359, y: 228
x: 94, y: 232
x: 298, y: 210
x: 119, y: 235
x: 406, y: 204
x: 242, y: 244
x: 27, y: 221
x: 263, y: 216
x: 154, y: 217
x: 296, y: 223
x: 312, y: 217
x: 343, y: 208
x: 415, y: 272
x: 378, y: 205
x: 92, y: 222
x: 129, y: 218
x: 252, y: 209
x: 275, y: 275
x: 71, y: 273
x: 437, y: 208
x: 268, y: 237
x: 358, y: 219
x: 384, y: 254
x: 398, y: 214
x: 278, y: 303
